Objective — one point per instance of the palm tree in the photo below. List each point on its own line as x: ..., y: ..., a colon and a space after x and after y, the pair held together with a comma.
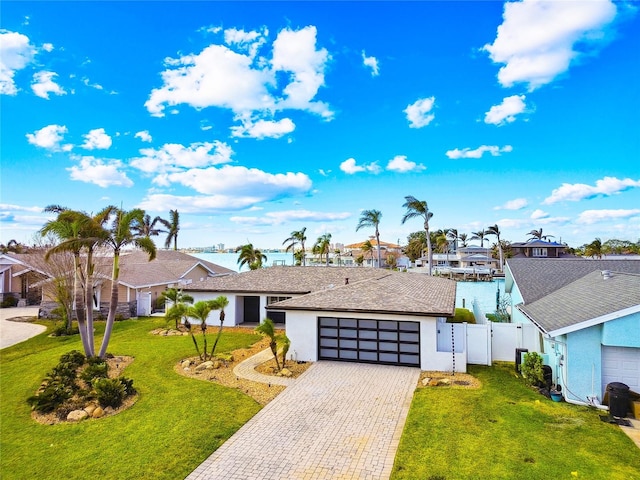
x: 178, y: 299
x: 322, y: 245
x: 250, y: 256
x: 495, y: 230
x: 173, y: 227
x: 148, y: 227
x: 200, y: 311
x: 219, y: 303
x: 463, y: 237
x: 122, y: 234
x: 297, y: 236
x: 419, y: 208
x: 371, y: 218
x: 537, y: 234
x: 367, y: 248
x: 479, y: 235
x: 268, y: 329
x: 594, y: 249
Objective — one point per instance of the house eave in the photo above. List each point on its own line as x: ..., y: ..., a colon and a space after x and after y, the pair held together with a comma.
x: 595, y: 321
x: 363, y: 310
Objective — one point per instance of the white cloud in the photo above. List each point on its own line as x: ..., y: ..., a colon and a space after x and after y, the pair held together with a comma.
x: 220, y: 76
x: 279, y: 218
x: 242, y: 182
x: 506, y: 112
x: 349, y: 166
x: 606, y: 186
x: 173, y: 157
x: 19, y: 208
x: 43, y: 85
x: 101, y: 172
x: 96, y: 139
x: 372, y: 63
x: 515, y: 204
x: 50, y: 138
x: 47, y: 47
x: 400, y: 164
x: 159, y: 202
x: 16, y: 52
x: 88, y: 83
x: 144, y: 136
x: 589, y: 217
x: 263, y: 128
x: 539, y: 40
x: 538, y: 214
x: 419, y: 113
x: 494, y: 150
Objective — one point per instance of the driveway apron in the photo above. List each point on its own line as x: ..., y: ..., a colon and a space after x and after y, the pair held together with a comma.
x: 339, y: 420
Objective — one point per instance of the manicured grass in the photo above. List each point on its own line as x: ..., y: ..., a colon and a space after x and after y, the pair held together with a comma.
x: 507, y: 431
x: 176, y: 423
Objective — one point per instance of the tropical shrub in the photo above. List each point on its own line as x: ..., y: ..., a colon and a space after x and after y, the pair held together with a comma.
x: 94, y: 371
x: 110, y: 392
x: 531, y: 369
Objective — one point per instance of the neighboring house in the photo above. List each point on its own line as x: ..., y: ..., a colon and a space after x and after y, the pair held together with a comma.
x: 342, y: 313
x: 588, y: 315
x: 463, y: 258
x: 354, y: 250
x: 141, y: 282
x: 538, y: 249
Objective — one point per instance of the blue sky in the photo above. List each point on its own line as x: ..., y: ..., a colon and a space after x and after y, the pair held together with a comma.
x: 257, y: 119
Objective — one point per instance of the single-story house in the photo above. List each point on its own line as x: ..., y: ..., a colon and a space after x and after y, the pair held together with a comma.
x: 536, y: 248
x: 345, y: 313
x: 588, y: 315
x: 140, y: 283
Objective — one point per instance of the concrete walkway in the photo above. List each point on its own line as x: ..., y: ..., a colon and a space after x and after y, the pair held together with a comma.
x: 16, y: 332
x: 246, y: 369
x: 338, y: 420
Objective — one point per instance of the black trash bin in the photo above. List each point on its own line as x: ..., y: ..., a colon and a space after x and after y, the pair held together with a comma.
x: 547, y: 374
x: 618, y: 399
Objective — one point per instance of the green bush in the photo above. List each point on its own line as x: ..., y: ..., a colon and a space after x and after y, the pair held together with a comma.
x: 128, y: 385
x: 93, y: 371
x: 9, y: 302
x: 50, y: 398
x: 462, y: 315
x: 63, y: 331
x: 74, y: 357
x: 110, y: 392
x: 531, y: 369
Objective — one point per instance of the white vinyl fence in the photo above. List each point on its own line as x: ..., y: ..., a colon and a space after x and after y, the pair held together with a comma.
x: 489, y: 342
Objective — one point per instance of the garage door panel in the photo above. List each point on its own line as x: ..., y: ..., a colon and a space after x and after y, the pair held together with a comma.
x: 366, y: 340
x: 621, y: 364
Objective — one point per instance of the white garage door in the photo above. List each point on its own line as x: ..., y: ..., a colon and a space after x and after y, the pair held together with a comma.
x: 621, y: 364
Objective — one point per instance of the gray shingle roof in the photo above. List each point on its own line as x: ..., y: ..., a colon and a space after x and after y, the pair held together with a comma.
x: 169, y: 266
x: 537, y: 277
x: 587, y: 298
x: 391, y: 292
x: 281, y: 279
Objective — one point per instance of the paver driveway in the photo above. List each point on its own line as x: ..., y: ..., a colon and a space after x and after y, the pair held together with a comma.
x: 339, y: 420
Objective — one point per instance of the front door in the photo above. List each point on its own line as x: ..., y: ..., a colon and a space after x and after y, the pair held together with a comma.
x: 251, y: 310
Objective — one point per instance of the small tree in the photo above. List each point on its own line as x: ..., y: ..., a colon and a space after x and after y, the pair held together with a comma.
x: 200, y: 311
x: 178, y: 298
x: 268, y: 329
x: 285, y: 346
x: 531, y: 369
x: 220, y: 303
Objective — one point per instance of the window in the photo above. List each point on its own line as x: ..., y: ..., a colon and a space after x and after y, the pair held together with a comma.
x: 271, y: 300
x: 539, y: 252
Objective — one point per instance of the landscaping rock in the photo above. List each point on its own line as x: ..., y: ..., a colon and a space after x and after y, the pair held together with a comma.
x: 425, y: 381
x: 89, y: 409
x: 77, y: 415
x: 204, y: 366
x: 216, y: 364
x: 98, y: 412
x: 186, y: 364
x: 285, y: 372
x: 444, y: 381
x: 433, y: 382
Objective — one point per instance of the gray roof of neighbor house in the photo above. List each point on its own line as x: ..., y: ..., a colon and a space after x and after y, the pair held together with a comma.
x: 283, y: 279
x: 589, y: 298
x: 538, y: 277
x: 169, y: 266
x: 388, y: 292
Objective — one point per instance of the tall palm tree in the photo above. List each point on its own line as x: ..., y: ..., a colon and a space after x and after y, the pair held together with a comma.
x: 463, y: 237
x: 322, y: 246
x: 594, y: 249
x: 250, y: 256
x: 479, y: 235
x: 297, y: 237
x: 173, y: 227
x: 419, y: 208
x: 200, y: 311
x: 147, y: 227
x: 268, y: 329
x: 371, y: 218
x: 122, y: 234
x: 537, y: 234
x: 495, y: 230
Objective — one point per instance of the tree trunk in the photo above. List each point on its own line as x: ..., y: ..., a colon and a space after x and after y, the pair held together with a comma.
x: 88, y: 302
x: 113, y: 304
x: 77, y: 304
x: 429, y: 249
x: 378, y: 242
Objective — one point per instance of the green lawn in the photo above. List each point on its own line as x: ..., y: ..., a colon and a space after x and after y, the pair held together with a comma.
x: 507, y: 431
x: 176, y: 423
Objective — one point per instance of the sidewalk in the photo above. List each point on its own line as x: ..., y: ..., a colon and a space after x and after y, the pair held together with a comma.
x: 15, y: 332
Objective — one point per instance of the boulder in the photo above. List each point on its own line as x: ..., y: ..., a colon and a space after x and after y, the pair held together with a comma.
x: 216, y: 364
x: 77, y: 415
x: 186, y: 364
x: 433, y: 382
x: 285, y: 372
x: 445, y: 381
x: 98, y: 412
x: 425, y: 381
x: 89, y: 409
x: 204, y: 366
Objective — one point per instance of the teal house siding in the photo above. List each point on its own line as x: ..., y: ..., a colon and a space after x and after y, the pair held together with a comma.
x: 623, y: 332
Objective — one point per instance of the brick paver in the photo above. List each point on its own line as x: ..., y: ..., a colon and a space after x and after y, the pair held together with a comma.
x: 337, y: 421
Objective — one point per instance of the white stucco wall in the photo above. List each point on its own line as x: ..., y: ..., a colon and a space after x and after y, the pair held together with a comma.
x: 214, y: 317
x: 302, y: 330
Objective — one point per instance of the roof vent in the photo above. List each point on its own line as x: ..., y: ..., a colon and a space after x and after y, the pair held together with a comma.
x: 606, y: 274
